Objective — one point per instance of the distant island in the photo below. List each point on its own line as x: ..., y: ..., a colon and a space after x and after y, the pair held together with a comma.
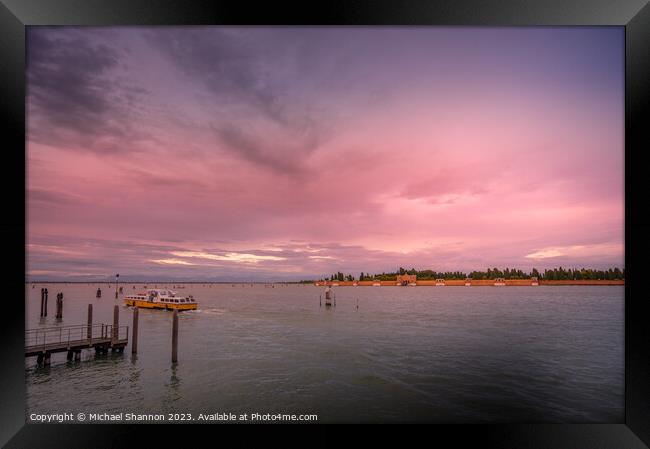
x: 553, y: 274
x: 513, y: 276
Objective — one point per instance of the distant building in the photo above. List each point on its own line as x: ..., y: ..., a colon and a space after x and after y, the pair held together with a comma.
x: 405, y: 279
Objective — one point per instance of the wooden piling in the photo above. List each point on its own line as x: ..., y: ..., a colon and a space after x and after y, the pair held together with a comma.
x: 175, y: 337
x: 45, y: 307
x: 116, y: 322
x: 134, y: 341
x: 59, y: 305
x: 90, y: 321
x: 42, y: 302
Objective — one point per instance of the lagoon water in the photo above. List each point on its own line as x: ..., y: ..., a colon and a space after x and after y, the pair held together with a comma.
x: 408, y: 354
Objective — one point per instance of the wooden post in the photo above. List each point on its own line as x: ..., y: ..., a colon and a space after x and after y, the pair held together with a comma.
x: 116, y: 322
x: 45, y: 308
x: 90, y: 321
x: 59, y: 305
x: 42, y: 302
x: 134, y: 343
x: 175, y: 337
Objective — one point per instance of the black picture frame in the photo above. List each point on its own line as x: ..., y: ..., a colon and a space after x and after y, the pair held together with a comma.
x: 15, y: 15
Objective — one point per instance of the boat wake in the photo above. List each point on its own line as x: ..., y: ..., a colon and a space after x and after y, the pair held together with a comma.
x: 209, y: 311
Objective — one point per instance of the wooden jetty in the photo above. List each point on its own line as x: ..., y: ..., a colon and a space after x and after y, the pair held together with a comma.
x: 43, y: 342
x: 72, y: 339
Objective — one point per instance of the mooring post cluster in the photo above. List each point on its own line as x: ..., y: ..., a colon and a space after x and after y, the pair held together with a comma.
x: 44, y: 302
x: 134, y: 333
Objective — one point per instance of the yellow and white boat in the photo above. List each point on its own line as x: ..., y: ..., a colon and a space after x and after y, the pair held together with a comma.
x: 161, y: 299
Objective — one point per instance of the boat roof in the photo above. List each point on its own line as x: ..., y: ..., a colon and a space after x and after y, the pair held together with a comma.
x: 161, y: 290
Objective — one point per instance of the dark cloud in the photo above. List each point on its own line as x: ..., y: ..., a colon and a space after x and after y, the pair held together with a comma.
x: 253, y: 88
x: 74, y: 96
x: 283, y: 157
x: 232, y: 70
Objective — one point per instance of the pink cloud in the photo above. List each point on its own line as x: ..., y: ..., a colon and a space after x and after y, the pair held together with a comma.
x: 403, y: 166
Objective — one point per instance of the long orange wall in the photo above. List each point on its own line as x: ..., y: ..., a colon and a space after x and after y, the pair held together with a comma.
x: 476, y: 282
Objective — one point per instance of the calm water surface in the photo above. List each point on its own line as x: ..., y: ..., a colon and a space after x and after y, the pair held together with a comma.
x: 434, y: 354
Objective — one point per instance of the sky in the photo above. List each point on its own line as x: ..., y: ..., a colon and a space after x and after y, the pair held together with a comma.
x: 288, y: 153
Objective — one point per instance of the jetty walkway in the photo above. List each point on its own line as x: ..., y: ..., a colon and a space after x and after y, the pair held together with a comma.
x: 43, y: 342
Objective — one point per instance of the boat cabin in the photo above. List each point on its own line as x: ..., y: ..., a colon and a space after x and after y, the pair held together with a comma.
x: 161, y: 299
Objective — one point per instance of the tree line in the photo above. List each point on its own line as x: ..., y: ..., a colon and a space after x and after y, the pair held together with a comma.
x: 553, y: 274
